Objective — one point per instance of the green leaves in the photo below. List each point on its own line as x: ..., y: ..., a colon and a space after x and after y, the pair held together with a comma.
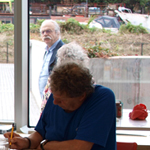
x: 96, y: 51
x: 129, y: 28
x: 72, y: 26
x: 34, y: 28
x: 6, y: 27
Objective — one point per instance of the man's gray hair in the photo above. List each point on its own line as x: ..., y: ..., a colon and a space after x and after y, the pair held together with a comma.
x: 72, y: 52
x: 47, y: 21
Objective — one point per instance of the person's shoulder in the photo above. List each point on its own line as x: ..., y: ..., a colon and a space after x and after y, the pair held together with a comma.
x: 61, y: 42
x: 101, y: 96
x: 102, y: 89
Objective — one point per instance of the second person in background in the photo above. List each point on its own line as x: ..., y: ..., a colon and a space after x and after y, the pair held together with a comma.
x: 50, y: 34
x: 71, y: 52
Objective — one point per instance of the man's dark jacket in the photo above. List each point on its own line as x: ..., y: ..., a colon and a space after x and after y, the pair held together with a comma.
x: 53, y: 59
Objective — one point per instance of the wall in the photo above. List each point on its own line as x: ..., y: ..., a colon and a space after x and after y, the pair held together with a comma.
x: 127, y: 76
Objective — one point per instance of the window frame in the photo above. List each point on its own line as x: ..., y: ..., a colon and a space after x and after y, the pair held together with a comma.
x: 21, y: 72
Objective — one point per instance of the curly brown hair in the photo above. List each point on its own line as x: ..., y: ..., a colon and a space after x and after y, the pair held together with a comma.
x: 72, y: 79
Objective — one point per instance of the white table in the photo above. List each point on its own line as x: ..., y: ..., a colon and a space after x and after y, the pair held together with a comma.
x: 142, y: 138
x: 125, y: 123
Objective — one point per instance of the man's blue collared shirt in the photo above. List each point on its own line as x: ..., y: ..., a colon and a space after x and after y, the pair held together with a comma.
x: 44, y: 74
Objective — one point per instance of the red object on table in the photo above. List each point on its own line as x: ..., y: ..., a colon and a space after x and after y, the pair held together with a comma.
x: 139, y: 112
x: 126, y: 146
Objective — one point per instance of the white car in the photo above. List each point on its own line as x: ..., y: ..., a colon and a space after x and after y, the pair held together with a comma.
x: 123, y: 9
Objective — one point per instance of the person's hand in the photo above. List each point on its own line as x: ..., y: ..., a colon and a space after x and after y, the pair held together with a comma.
x: 8, y: 135
x: 17, y: 142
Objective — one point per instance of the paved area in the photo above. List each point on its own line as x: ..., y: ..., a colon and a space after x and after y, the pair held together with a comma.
x: 7, y: 96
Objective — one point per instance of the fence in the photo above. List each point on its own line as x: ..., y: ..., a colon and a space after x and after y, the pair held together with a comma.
x: 6, y: 53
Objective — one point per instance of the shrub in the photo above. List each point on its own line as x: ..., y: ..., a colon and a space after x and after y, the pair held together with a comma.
x: 39, y: 21
x: 132, y: 28
x: 96, y: 51
x: 34, y: 28
x: 6, y: 27
x: 72, y: 26
x: 65, y: 41
x: 91, y: 19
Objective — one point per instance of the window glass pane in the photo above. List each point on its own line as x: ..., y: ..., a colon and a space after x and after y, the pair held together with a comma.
x: 6, y: 92
x: 127, y: 75
x: 36, y: 53
x: 7, y: 63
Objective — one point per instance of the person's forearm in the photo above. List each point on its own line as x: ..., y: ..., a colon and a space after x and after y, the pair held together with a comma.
x: 68, y: 145
x: 35, y: 138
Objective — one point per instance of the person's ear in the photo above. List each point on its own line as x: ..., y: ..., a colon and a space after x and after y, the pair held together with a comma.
x: 83, y: 96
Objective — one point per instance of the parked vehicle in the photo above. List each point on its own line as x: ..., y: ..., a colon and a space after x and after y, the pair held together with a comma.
x: 134, y: 18
x: 106, y: 22
x: 123, y: 9
x: 75, y: 10
x: 93, y: 10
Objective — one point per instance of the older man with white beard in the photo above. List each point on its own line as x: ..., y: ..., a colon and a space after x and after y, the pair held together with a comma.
x: 50, y: 34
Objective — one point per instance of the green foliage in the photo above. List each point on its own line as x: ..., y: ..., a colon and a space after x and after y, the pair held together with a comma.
x: 91, y: 19
x: 96, y: 51
x: 72, y: 26
x: 129, y: 28
x: 65, y: 41
x: 94, y: 29
x: 34, y: 28
x: 39, y: 21
x: 6, y: 27
x: 143, y: 2
x: 106, y: 31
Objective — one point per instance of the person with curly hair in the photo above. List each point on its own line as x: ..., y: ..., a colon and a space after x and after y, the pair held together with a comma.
x: 79, y: 115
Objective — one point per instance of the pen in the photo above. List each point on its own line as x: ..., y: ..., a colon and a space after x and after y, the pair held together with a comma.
x: 12, y: 131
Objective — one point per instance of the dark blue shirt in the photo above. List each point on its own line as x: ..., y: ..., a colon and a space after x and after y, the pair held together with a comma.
x: 94, y: 121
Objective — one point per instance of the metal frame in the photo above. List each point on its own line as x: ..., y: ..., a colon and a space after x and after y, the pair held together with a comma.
x: 21, y: 62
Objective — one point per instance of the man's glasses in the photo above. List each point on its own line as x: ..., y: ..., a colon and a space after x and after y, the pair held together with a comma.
x: 47, y: 31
